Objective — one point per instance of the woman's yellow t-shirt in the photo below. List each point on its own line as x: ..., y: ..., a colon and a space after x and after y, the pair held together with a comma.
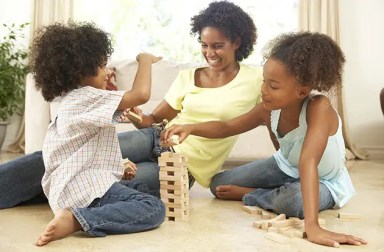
x: 206, y: 156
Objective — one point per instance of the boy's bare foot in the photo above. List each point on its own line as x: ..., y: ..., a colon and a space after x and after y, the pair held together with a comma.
x: 232, y: 192
x: 63, y: 224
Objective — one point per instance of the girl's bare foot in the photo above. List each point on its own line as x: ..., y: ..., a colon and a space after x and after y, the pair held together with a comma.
x: 63, y: 224
x: 232, y: 192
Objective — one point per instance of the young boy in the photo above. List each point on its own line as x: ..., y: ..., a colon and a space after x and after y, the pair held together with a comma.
x: 82, y: 179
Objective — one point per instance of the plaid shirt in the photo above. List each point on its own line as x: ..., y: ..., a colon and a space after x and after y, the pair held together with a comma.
x: 81, y: 152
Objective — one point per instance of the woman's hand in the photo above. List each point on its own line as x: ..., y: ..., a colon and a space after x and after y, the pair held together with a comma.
x: 318, y: 235
x: 130, y: 170
x: 167, y: 139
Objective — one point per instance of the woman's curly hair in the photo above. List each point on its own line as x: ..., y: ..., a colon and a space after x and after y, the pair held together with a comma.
x: 62, y: 55
x: 232, y: 21
x: 314, y: 58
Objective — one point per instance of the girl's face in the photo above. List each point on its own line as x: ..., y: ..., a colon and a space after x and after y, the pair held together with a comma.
x: 100, y: 80
x: 280, y: 88
x: 217, y: 49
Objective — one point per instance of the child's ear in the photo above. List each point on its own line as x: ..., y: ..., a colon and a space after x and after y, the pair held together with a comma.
x: 303, y: 91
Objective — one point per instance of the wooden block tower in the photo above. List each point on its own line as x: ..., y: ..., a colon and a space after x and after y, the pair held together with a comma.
x: 174, y: 186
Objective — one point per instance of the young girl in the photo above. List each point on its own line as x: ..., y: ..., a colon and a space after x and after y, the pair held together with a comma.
x: 81, y: 152
x: 307, y: 174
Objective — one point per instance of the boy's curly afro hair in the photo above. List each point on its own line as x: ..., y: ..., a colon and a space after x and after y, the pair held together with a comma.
x: 62, y: 55
x: 314, y: 58
x: 232, y: 21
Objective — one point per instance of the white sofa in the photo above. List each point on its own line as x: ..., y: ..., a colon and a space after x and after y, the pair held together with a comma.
x: 251, y: 145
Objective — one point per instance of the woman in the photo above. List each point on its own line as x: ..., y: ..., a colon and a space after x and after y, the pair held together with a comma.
x: 222, y: 90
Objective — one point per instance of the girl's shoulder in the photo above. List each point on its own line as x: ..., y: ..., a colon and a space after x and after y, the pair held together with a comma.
x: 318, y: 101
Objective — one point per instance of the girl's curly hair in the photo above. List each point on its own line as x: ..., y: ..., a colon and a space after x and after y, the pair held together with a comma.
x: 62, y: 55
x: 232, y: 21
x: 314, y: 58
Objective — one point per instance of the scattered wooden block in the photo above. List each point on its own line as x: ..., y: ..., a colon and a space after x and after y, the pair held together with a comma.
x: 253, y: 210
x: 349, y: 216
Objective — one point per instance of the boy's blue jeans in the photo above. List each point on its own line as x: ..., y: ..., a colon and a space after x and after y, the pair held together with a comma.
x: 275, y: 190
x: 121, y: 210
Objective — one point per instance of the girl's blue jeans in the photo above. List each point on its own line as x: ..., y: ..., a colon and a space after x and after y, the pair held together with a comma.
x: 274, y: 190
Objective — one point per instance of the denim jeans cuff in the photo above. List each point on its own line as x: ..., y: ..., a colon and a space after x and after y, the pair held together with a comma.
x: 83, y: 223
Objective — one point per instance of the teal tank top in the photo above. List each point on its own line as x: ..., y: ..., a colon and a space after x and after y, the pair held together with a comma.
x: 332, y: 170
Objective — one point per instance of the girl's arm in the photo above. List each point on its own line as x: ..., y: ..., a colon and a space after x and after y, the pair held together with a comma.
x: 141, y: 88
x: 322, y: 122
x: 218, y: 129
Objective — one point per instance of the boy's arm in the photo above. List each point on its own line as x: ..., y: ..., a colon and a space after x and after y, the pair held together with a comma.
x: 141, y: 88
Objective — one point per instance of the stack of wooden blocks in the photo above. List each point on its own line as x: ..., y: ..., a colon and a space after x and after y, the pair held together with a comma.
x: 174, y: 186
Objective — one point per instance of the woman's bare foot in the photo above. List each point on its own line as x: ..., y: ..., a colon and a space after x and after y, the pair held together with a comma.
x: 63, y: 224
x: 232, y: 192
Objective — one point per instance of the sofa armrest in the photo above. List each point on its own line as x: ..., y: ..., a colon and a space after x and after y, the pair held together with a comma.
x: 37, y: 117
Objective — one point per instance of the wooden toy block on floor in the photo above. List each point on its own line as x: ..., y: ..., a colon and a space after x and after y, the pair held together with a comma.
x: 174, y: 185
x: 292, y: 227
x: 348, y: 216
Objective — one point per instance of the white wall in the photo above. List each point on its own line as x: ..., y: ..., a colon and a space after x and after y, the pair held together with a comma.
x: 362, y: 40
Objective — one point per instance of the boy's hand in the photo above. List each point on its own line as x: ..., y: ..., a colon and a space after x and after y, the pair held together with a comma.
x: 129, y: 169
x: 147, y: 56
x: 318, y: 235
x: 168, y: 136
x: 132, y: 115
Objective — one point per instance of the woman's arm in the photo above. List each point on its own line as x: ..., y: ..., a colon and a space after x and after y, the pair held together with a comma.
x: 218, y: 129
x: 162, y: 111
x: 322, y: 122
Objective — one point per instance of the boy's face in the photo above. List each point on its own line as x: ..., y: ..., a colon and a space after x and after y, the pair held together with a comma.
x: 99, y: 81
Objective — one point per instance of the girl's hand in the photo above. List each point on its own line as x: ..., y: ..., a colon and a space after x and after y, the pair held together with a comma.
x: 182, y: 131
x: 129, y: 171
x: 147, y: 56
x: 318, y: 235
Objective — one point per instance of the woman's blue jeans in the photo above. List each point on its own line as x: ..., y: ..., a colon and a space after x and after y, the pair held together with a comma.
x: 275, y: 190
x: 20, y: 179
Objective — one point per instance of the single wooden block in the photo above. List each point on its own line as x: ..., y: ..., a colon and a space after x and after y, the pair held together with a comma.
x: 126, y: 166
x: 284, y: 223
x: 253, y: 210
x: 174, y: 178
x: 267, y: 215
x: 174, y: 200
x: 134, y: 117
x: 183, y: 187
x: 258, y: 224
x: 276, y: 237
x: 174, y: 168
x: 184, y: 204
x: 171, y: 163
x: 349, y: 216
